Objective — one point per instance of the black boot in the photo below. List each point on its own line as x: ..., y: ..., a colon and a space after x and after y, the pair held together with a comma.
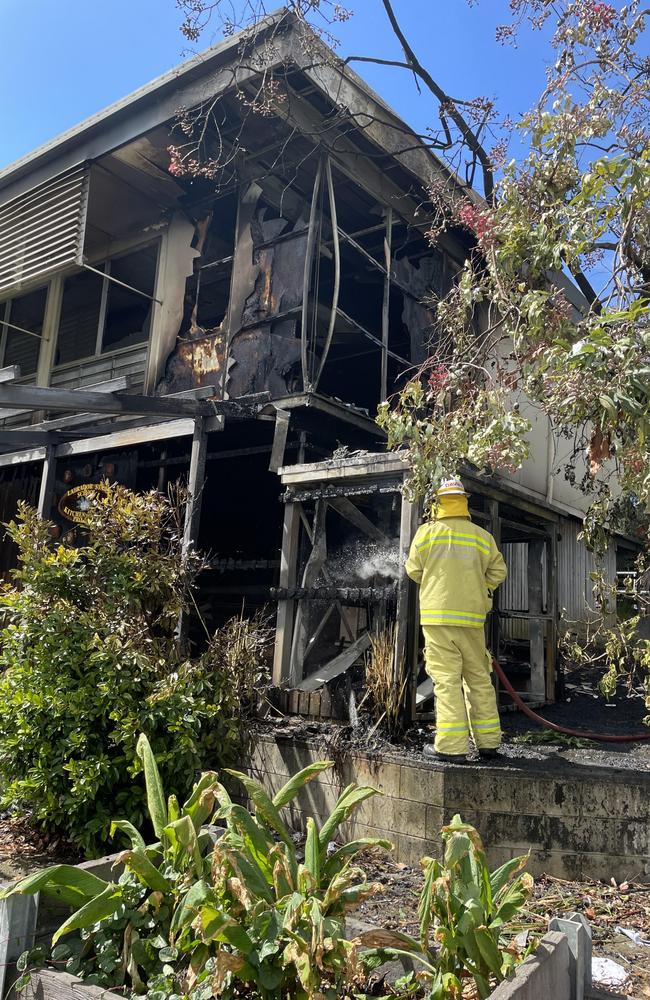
x: 489, y: 754
x: 451, y: 758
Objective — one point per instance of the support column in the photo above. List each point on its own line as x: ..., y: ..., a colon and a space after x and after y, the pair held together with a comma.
x: 195, y: 484
x: 403, y: 670
x: 536, y: 624
x: 494, y: 628
x: 552, y: 610
x: 50, y: 332
x: 48, y: 476
x: 385, y: 312
x: 312, y: 571
x: 286, y: 609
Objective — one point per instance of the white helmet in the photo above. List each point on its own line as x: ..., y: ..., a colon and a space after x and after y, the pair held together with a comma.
x: 450, y: 488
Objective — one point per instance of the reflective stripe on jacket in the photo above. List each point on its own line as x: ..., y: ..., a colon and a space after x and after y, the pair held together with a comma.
x: 456, y: 563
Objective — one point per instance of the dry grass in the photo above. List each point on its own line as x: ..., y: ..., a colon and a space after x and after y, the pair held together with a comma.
x: 385, y: 695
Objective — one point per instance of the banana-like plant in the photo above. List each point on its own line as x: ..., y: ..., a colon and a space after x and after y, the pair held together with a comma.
x: 466, y: 910
x: 193, y: 914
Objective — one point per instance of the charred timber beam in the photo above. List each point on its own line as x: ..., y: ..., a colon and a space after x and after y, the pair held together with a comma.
x: 352, y: 490
x: 352, y: 596
x: 328, y: 407
x: 28, y: 397
x: 27, y: 438
x: 109, y: 385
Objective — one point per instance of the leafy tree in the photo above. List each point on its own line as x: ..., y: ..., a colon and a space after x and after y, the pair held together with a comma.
x: 90, y: 660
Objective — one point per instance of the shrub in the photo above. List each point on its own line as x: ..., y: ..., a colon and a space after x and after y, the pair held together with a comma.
x: 190, y: 917
x: 468, y: 910
x: 90, y: 659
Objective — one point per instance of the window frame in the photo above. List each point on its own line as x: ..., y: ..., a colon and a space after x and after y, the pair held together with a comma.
x: 5, y: 318
x: 104, y: 265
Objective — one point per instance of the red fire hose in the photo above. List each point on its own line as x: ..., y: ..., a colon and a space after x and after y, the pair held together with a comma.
x: 600, y: 737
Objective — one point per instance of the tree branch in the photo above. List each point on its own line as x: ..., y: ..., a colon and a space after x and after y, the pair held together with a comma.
x: 447, y: 103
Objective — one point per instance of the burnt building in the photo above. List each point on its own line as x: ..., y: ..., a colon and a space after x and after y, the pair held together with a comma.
x: 237, y: 326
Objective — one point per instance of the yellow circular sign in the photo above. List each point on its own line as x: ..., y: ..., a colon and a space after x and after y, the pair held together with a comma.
x: 75, y: 504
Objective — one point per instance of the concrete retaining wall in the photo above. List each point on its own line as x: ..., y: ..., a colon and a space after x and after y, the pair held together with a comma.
x: 583, y: 821
x: 544, y: 974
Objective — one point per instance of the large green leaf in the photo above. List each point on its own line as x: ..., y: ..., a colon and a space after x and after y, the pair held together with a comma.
x: 312, y: 851
x: 344, y: 854
x: 348, y: 801
x: 254, y: 838
x: 489, y: 950
x: 155, y: 795
x: 513, y: 898
x: 390, y: 941
x: 264, y: 806
x: 500, y: 878
x: 201, y: 804
x: 219, y: 926
x: 72, y: 886
x: 188, y: 908
x: 425, y: 905
x: 138, y: 863
x: 289, y: 791
x: 254, y: 878
x: 104, y: 905
x: 137, y: 840
x: 182, y: 840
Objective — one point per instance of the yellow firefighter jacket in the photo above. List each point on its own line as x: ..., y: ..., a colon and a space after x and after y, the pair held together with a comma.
x: 456, y: 564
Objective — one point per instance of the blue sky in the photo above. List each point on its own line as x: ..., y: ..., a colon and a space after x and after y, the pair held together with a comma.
x: 63, y: 61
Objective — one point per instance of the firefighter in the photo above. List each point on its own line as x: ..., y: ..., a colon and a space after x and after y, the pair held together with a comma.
x: 458, y: 566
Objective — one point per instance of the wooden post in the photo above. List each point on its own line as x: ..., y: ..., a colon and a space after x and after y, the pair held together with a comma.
x: 494, y: 629
x: 552, y: 610
x: 47, y: 482
x: 536, y: 625
x: 50, y: 327
x: 402, y: 669
x: 195, y: 483
x: 286, y: 609
x: 385, y: 312
x: 312, y: 571
x: 280, y: 434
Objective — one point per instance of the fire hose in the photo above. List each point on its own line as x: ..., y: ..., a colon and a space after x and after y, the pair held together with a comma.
x: 599, y: 737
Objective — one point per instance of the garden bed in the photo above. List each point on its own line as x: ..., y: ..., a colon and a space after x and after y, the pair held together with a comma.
x: 607, y: 907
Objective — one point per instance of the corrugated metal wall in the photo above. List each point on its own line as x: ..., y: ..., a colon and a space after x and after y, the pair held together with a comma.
x: 575, y: 587
x: 575, y: 563
x: 513, y: 594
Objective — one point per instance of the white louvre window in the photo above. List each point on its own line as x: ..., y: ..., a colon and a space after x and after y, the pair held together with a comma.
x: 42, y: 230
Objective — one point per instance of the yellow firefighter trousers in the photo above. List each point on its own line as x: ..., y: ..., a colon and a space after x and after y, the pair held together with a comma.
x: 459, y: 665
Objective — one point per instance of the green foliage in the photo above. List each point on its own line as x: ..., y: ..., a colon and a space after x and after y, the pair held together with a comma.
x: 199, y: 917
x: 468, y: 910
x: 549, y: 319
x: 90, y: 659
